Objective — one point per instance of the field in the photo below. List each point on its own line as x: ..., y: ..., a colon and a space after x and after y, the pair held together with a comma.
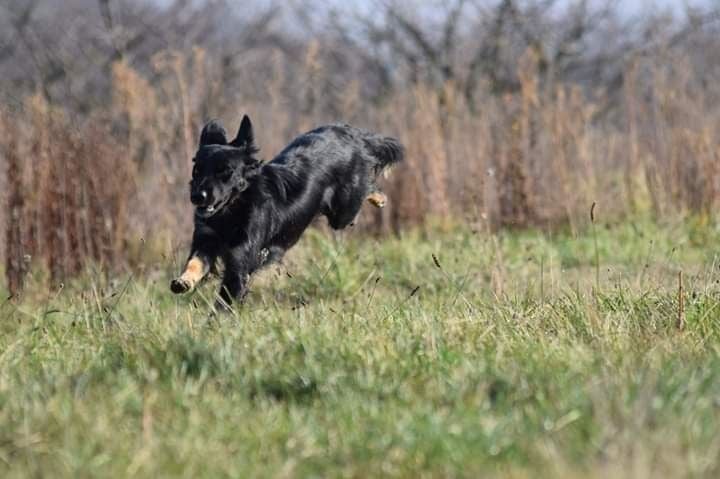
x: 440, y: 353
x: 486, y: 323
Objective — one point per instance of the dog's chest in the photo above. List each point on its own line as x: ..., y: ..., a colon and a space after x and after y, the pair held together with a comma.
x: 231, y: 230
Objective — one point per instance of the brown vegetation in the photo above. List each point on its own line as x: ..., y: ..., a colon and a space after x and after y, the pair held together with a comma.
x: 68, y: 193
x: 513, y: 114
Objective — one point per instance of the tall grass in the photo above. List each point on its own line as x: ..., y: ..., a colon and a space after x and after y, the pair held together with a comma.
x: 69, y: 190
x: 539, y: 156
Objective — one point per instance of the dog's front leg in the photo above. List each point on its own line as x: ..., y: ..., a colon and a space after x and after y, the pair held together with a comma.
x: 204, y: 250
x: 195, y: 270
x: 240, y: 264
x: 233, y: 288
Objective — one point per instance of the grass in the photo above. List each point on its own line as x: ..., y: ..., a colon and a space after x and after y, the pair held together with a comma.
x: 508, y: 361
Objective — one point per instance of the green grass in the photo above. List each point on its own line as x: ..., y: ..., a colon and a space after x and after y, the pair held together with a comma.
x: 508, y: 361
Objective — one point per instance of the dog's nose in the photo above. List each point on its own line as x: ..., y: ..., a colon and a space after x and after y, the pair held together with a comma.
x: 199, y: 197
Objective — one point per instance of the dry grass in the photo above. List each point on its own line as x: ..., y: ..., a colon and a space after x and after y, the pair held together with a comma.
x: 537, y: 157
x: 69, y: 191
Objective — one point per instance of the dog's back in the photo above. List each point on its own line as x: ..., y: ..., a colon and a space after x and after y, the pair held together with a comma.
x: 330, y: 171
x: 336, y: 144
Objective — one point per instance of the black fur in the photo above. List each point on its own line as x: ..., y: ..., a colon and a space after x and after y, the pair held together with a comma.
x: 249, y: 213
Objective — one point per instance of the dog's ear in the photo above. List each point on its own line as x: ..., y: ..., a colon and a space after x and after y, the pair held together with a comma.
x: 245, y: 136
x: 213, y: 134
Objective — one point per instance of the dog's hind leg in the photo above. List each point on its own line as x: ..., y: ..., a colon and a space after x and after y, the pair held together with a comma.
x: 377, y: 198
x: 344, y: 208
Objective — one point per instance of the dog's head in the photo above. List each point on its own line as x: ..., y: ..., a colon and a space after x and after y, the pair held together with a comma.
x: 222, y: 170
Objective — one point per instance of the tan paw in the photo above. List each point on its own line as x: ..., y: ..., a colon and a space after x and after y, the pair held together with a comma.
x: 180, y: 285
x: 377, y: 199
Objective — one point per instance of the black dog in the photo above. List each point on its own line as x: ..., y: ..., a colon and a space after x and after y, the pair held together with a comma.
x: 248, y: 213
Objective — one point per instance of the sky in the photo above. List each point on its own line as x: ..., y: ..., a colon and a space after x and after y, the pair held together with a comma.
x: 630, y: 6
x: 637, y: 6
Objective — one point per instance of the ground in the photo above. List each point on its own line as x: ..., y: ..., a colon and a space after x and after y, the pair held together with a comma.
x: 441, y: 353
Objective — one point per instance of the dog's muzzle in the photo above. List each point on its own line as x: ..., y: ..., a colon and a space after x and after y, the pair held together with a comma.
x: 205, y: 208
x: 209, y: 210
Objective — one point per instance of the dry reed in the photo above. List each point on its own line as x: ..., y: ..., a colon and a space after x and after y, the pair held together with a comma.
x: 537, y: 157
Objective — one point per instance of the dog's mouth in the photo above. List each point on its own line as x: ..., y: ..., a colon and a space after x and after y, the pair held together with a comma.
x: 210, y: 210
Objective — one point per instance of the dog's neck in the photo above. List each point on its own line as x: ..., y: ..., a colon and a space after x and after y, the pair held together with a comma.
x: 273, y: 183
x: 240, y: 199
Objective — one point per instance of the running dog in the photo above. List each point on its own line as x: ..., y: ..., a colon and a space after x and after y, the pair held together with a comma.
x: 249, y: 213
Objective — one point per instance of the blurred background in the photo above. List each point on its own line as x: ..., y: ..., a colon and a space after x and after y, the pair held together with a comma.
x: 514, y: 113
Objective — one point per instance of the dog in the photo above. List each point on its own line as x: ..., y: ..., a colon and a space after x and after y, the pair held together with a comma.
x: 249, y: 213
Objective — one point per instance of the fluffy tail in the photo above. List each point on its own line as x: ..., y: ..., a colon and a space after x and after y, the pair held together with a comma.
x: 386, y: 150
